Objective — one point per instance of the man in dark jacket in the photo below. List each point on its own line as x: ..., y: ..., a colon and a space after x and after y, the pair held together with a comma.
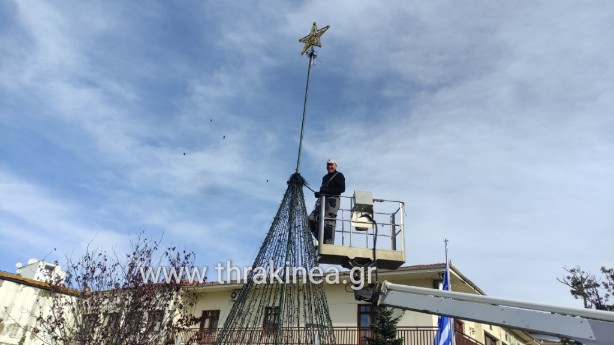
x: 333, y: 184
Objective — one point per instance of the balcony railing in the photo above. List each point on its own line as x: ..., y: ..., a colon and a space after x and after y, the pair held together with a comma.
x: 343, y: 336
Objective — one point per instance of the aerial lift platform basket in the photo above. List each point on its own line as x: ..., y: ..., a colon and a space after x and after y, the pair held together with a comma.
x: 368, y: 232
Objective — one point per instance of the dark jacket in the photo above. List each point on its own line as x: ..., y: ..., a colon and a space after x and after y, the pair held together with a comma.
x: 333, y: 183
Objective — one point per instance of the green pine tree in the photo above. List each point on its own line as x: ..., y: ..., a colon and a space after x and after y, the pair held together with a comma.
x: 385, y: 329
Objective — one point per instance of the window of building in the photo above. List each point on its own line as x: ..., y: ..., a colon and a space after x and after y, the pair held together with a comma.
x: 13, y: 330
x: 209, y: 320
x: 367, y: 314
x: 90, y: 322
x: 49, y: 269
x: 208, y: 326
x: 111, y: 322
x: 459, y: 326
x: 271, y: 318
x: 134, y: 321
x: 489, y: 339
x: 154, y: 320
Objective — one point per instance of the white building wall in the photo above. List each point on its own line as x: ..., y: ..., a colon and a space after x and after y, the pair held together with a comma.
x: 22, y: 298
x: 20, y: 304
x: 344, y: 311
x: 40, y: 270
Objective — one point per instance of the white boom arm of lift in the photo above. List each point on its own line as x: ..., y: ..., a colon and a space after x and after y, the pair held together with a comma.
x: 584, y: 325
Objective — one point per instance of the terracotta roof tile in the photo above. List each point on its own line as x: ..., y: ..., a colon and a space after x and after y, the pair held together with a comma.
x: 35, y: 283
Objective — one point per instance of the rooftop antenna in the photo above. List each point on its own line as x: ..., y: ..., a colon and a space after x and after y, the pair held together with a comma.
x: 45, y: 257
x: 311, y: 40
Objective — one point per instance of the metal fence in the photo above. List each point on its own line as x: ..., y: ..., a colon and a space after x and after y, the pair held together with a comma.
x: 302, y: 335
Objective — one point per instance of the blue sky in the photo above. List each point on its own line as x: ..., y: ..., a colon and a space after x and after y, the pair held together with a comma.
x: 493, y: 121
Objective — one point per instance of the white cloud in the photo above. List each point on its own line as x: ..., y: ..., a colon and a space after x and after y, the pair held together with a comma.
x: 35, y: 220
x: 491, y: 122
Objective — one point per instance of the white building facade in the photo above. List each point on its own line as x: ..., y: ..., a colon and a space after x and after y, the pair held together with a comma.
x: 22, y: 298
x: 351, y: 319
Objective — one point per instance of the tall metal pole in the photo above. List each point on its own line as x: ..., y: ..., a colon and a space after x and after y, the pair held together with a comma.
x: 313, y: 39
x: 312, y: 55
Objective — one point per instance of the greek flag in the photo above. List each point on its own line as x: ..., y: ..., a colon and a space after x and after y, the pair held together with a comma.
x: 445, y: 325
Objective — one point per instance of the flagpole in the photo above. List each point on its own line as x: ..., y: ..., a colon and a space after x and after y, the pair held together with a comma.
x: 445, y: 324
x: 446, y: 248
x: 450, y: 319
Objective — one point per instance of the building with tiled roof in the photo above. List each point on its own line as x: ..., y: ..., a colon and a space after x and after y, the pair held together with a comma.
x: 22, y: 297
x: 351, y: 318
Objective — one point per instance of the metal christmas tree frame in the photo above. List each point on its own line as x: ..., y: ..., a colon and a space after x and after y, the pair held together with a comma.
x: 279, y: 304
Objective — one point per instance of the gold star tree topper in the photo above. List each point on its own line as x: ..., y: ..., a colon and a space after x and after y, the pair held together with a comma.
x: 313, y: 39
